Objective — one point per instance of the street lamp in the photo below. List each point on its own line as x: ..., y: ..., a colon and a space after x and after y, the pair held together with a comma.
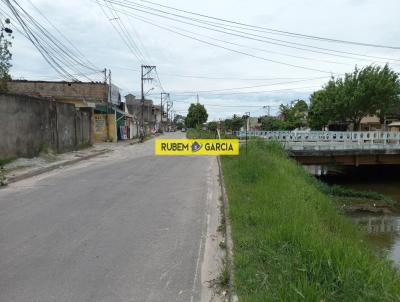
x: 149, y: 91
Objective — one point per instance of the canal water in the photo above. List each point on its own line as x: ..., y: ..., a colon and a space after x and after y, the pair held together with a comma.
x: 383, y: 230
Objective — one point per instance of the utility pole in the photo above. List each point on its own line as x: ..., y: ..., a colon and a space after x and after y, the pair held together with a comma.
x: 162, y: 111
x: 172, y: 117
x: 197, y: 112
x: 108, y: 107
x: 109, y: 85
x: 167, y: 116
x: 268, y: 108
x: 247, y: 114
x: 145, y: 76
x: 170, y: 105
x: 107, y: 91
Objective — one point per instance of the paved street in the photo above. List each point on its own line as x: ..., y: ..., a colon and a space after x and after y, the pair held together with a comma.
x: 127, y: 226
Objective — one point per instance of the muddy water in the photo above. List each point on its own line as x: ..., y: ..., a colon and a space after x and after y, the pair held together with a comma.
x: 383, y: 233
x: 383, y: 230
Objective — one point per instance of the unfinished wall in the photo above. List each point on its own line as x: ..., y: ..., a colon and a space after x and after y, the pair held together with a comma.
x: 29, y: 125
x: 96, y: 92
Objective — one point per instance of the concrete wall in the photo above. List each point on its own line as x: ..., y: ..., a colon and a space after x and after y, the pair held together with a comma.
x: 97, y: 92
x: 29, y: 125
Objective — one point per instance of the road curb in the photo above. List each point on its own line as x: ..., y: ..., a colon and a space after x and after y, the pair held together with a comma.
x: 228, y: 235
x: 53, y: 167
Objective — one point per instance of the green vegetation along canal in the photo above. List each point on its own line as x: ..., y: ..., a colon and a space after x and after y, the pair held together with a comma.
x: 383, y: 229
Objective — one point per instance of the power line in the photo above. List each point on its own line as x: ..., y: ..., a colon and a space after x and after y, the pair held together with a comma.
x: 127, y: 38
x: 243, y: 45
x: 276, y: 30
x: 134, y: 6
x: 214, y: 77
x: 234, y: 50
x: 64, y: 60
x: 248, y: 87
x: 63, y: 36
x: 247, y: 92
x: 29, y: 34
x: 120, y: 30
x: 228, y: 106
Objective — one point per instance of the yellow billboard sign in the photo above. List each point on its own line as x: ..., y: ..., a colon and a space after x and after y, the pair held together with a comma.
x: 196, y: 146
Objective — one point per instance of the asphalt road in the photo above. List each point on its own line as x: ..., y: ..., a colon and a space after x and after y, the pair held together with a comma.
x: 128, y: 226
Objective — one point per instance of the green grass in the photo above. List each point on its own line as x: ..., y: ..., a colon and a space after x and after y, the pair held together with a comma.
x: 290, y: 242
x: 338, y: 191
x: 6, y: 161
x: 205, y: 134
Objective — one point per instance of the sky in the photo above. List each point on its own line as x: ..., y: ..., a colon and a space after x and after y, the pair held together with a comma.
x: 254, y: 75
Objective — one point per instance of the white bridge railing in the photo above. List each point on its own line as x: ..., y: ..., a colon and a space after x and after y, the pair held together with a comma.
x: 329, y: 140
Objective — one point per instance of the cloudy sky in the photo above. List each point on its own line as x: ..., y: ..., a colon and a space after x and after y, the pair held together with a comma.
x: 239, y: 72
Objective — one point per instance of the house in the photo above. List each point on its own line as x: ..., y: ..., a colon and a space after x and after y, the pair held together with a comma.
x: 394, y: 126
x: 150, y: 113
x: 253, y: 123
x: 99, y: 99
x: 370, y: 123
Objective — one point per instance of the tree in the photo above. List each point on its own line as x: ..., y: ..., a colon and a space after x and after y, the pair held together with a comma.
x: 325, y: 107
x: 197, y: 115
x: 179, y: 121
x: 270, y: 123
x: 293, y: 115
x: 212, y: 126
x: 5, y: 55
x: 373, y: 90
x: 234, y: 124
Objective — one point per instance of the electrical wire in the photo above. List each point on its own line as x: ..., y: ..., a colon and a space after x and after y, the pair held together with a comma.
x: 214, y: 77
x: 228, y: 106
x: 63, y: 36
x: 248, y: 87
x: 144, y: 9
x: 249, y: 47
x: 120, y: 31
x: 64, y: 60
x: 276, y: 31
x: 236, y: 51
x: 243, y: 93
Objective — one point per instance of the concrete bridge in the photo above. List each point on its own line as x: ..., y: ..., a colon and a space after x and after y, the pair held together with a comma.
x: 336, y: 148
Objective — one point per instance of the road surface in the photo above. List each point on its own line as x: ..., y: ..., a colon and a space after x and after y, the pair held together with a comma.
x: 128, y: 226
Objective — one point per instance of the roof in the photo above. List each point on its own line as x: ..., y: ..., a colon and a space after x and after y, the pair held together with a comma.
x: 394, y: 124
x: 370, y: 120
x: 122, y: 112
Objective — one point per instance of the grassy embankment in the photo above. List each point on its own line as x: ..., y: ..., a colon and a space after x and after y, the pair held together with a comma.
x: 290, y: 242
x: 201, y: 134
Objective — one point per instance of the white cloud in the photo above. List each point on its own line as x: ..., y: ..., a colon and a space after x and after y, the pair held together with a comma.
x: 83, y: 22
